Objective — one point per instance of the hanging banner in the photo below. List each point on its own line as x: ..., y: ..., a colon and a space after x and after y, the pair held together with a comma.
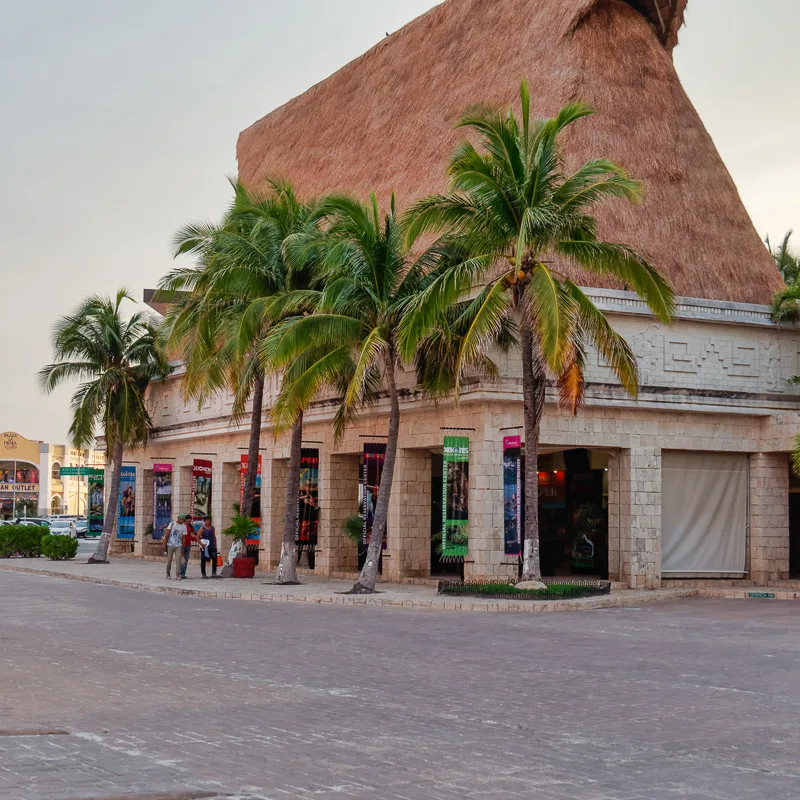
x: 162, y: 499
x: 201, y: 489
x: 455, y: 498
x: 96, y: 504
x: 126, y: 526
x: 256, y: 510
x: 307, y: 526
x: 374, y: 458
x: 512, y: 495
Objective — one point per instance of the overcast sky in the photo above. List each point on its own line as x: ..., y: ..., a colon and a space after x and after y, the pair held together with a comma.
x: 120, y: 119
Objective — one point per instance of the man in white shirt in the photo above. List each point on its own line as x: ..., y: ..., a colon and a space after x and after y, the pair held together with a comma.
x: 174, y: 545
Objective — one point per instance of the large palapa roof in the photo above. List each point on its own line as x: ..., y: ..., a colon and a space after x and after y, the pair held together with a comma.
x: 385, y: 122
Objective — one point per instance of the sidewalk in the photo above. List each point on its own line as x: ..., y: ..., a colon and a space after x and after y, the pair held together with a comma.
x: 149, y: 576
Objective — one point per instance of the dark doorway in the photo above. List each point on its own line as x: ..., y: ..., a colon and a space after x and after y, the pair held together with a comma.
x: 794, y: 524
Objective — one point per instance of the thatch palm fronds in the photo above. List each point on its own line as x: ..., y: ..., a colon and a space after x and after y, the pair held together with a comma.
x: 786, y: 303
x: 518, y: 215
x: 115, y: 359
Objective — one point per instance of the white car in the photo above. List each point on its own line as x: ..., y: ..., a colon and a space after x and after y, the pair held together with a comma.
x: 63, y: 527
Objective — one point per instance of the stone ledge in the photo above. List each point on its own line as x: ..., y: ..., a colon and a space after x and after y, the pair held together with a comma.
x: 626, y: 599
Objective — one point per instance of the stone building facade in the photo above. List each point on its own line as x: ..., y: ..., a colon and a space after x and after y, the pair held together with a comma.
x: 715, y: 381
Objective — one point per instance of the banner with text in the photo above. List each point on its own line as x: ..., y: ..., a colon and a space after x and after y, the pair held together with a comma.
x: 96, y: 503
x: 374, y: 458
x: 307, y: 527
x: 512, y: 495
x: 455, y: 498
x: 256, y: 510
x: 201, y: 489
x: 162, y: 499
x: 126, y: 526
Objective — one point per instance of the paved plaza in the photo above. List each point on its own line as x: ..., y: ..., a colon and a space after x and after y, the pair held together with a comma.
x: 110, y: 692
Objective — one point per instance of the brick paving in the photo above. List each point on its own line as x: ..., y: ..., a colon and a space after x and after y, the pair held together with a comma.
x: 184, y: 697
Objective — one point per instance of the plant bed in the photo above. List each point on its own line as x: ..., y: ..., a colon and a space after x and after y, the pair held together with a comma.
x: 497, y: 590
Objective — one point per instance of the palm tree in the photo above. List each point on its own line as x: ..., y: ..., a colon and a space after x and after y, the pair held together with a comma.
x: 786, y: 303
x: 788, y: 263
x: 231, y: 300
x: 350, y: 341
x: 116, y: 358
x: 520, y: 216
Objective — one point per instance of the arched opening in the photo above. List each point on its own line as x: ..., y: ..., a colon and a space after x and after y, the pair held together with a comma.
x: 56, y: 471
x: 56, y: 505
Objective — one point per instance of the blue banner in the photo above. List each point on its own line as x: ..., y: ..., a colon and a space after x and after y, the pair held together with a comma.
x: 126, y: 527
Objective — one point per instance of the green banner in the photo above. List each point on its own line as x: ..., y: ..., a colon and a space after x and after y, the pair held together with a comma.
x: 81, y: 472
x: 70, y: 472
x: 455, y: 497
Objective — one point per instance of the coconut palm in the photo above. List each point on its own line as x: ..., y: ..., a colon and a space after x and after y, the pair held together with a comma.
x: 786, y: 261
x: 116, y: 358
x: 520, y: 216
x: 230, y: 301
x: 350, y: 342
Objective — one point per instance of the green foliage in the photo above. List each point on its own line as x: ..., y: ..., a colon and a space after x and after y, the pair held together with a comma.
x: 115, y: 358
x: 787, y: 262
x: 518, y: 217
x: 354, y: 529
x: 554, y: 591
x: 59, y: 548
x: 21, y: 540
x: 241, y: 529
x: 26, y: 507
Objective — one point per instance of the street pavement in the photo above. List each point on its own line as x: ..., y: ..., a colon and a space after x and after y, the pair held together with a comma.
x: 110, y: 693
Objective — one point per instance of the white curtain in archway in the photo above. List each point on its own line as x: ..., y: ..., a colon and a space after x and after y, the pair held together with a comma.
x: 703, y: 512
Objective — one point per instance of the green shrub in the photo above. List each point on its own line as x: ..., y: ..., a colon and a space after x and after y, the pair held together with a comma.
x: 59, y: 548
x: 22, y: 540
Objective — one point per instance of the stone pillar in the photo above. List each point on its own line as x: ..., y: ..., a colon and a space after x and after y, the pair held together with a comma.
x: 634, y: 517
x: 408, y: 553
x: 225, y: 494
x: 769, y: 517
x: 338, y: 497
x: 486, y: 559
x: 274, y: 477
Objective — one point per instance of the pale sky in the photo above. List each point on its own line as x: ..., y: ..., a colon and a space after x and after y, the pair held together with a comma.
x: 120, y: 120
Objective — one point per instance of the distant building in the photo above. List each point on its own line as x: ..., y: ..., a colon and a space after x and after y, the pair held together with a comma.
x: 31, y: 483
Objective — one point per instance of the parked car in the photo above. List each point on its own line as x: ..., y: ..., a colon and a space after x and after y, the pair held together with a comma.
x: 63, y: 527
x: 81, y: 527
x: 40, y: 521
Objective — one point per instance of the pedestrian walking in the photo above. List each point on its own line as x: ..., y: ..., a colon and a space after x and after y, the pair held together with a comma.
x: 173, y: 542
x: 189, y: 539
x: 208, y: 541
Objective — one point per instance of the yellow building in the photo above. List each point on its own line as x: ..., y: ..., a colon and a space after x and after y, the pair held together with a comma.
x: 31, y: 483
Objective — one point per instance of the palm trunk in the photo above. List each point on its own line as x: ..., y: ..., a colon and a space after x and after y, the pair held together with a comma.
x: 112, y: 503
x: 369, y: 574
x: 248, y: 495
x: 287, y: 568
x: 533, y: 390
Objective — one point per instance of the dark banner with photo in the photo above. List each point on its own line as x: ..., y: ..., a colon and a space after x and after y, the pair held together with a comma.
x: 307, y: 528
x: 512, y: 495
x: 96, y: 502
x: 256, y: 510
x: 201, y: 489
x: 162, y: 499
x: 455, y: 498
x: 374, y: 458
x: 126, y: 527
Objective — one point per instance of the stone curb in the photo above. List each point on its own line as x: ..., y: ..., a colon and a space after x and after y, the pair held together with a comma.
x: 434, y: 604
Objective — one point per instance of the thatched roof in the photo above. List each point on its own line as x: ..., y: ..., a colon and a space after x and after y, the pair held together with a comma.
x: 385, y: 122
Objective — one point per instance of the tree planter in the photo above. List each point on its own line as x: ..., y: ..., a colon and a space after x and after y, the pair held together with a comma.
x: 244, y: 567
x: 557, y: 589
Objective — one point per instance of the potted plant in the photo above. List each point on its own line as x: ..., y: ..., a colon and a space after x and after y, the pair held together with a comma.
x: 241, y: 529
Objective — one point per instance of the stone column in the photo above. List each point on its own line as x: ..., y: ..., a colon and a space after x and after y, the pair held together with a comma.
x: 338, y: 497
x: 486, y: 559
x: 274, y: 477
x: 769, y: 517
x: 634, y: 517
x: 408, y: 553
